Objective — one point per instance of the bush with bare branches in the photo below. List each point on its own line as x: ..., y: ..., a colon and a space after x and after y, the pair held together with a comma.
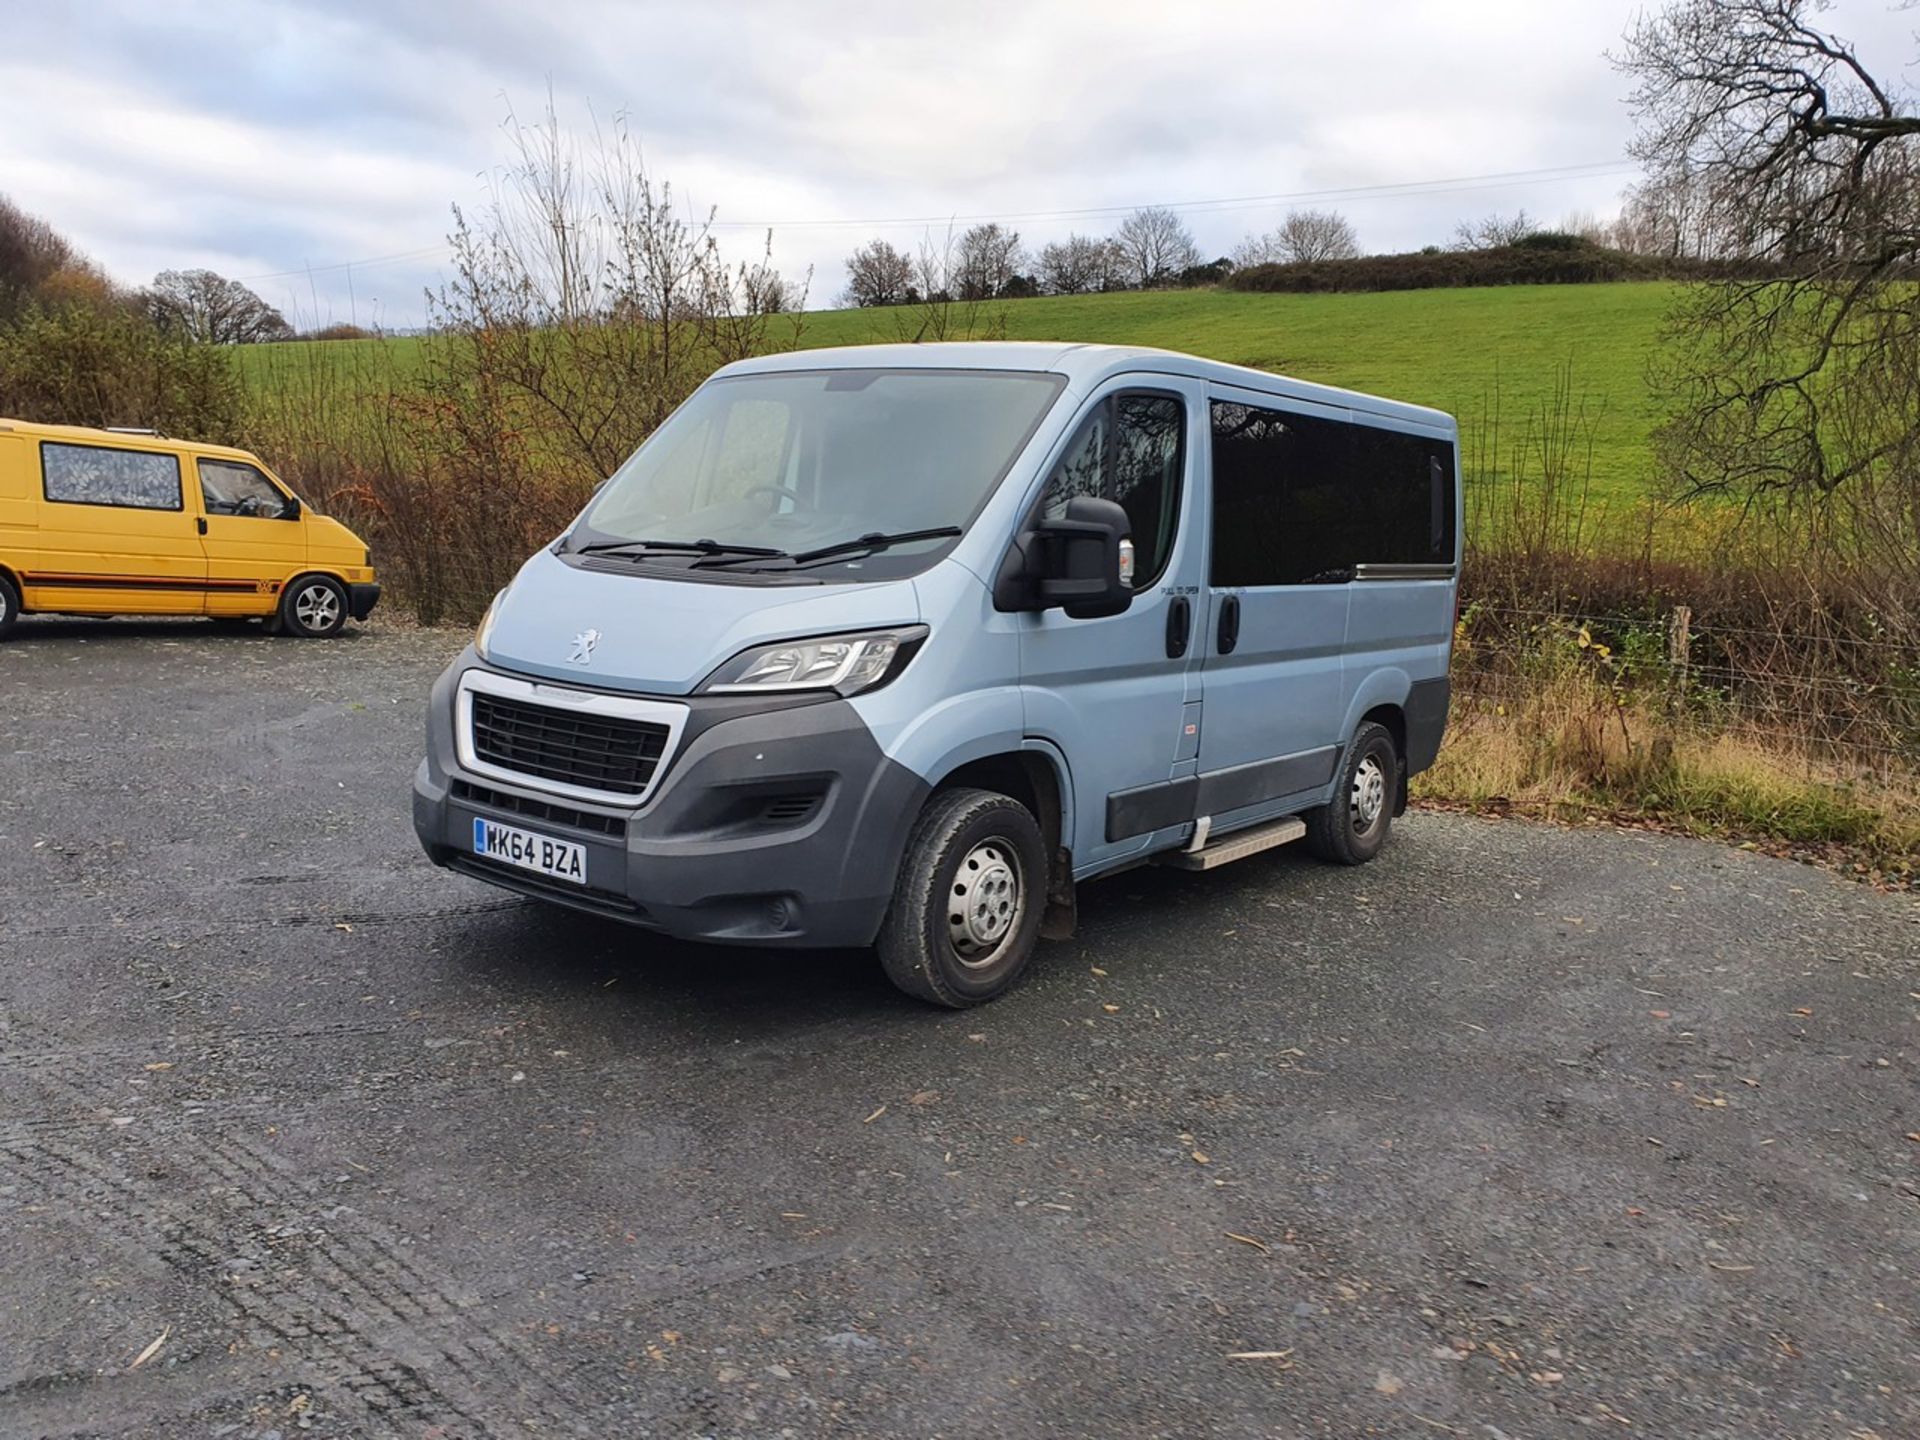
x: 584, y: 306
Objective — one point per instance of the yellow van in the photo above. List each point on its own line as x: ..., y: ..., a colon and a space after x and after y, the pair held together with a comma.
x: 123, y: 522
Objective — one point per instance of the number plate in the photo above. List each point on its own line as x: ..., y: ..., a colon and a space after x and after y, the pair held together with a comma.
x: 561, y: 859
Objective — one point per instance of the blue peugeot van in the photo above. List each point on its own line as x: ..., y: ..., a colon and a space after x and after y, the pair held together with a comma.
x: 892, y: 646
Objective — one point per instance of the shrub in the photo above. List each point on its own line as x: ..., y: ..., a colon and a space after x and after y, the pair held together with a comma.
x: 341, y: 331
x: 1551, y: 262
x: 1553, y: 240
x: 104, y: 364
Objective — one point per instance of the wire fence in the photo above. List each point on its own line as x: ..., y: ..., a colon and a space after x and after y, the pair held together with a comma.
x: 1836, y: 700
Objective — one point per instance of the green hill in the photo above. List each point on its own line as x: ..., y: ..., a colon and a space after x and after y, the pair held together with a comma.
x: 1446, y: 348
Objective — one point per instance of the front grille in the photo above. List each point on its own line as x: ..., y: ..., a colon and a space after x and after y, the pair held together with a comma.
x: 595, y: 752
x: 540, y: 809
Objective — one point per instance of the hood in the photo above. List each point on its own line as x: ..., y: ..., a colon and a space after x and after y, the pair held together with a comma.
x: 328, y: 537
x: 664, y: 636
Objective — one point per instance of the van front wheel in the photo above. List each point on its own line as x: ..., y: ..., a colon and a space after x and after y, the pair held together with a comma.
x: 314, y: 606
x: 9, y: 604
x: 1351, y: 830
x: 967, y: 905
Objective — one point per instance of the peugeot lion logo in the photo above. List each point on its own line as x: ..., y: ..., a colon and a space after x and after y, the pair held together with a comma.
x: 583, y: 643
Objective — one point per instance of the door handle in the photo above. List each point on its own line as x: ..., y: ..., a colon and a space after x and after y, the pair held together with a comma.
x: 200, y: 523
x: 1229, y: 624
x: 1179, y: 626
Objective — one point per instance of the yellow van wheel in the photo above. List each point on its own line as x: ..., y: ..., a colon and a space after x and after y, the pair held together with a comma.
x: 9, y: 604
x: 314, y: 607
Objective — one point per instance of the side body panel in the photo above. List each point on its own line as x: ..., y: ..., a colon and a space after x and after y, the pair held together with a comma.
x: 106, y: 559
x: 19, y: 503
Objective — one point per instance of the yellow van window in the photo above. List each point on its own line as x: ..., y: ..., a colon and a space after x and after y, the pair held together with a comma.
x: 96, y: 475
x: 232, y: 488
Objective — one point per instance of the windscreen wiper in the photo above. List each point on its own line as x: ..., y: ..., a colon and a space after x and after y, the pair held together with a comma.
x: 861, y: 545
x: 675, y: 547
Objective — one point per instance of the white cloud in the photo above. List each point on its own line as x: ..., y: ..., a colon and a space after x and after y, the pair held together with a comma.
x: 255, y: 139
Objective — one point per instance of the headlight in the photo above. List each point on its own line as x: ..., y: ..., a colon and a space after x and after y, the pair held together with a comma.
x: 485, y: 632
x: 846, y: 664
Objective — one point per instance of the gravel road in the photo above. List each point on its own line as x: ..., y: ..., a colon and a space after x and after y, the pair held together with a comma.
x: 1516, y: 1132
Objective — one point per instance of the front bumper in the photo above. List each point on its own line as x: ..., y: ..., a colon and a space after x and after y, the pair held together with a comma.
x: 361, y: 598
x: 775, y: 822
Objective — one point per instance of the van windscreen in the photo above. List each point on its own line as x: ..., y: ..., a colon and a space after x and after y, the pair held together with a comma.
x: 800, y: 461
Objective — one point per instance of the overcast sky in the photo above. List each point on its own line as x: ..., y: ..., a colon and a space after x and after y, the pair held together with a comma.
x: 260, y: 139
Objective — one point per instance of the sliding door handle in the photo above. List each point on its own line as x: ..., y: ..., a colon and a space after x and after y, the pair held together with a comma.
x: 1229, y: 635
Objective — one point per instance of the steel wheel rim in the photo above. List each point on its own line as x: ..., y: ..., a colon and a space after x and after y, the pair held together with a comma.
x: 985, y: 902
x: 1369, y: 798
x: 317, y: 607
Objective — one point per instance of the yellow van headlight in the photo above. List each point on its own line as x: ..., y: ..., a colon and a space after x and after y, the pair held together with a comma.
x: 846, y: 664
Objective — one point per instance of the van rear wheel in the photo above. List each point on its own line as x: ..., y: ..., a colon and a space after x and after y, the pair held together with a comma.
x: 1351, y: 829
x: 9, y: 604
x: 968, y: 901
x: 314, y: 606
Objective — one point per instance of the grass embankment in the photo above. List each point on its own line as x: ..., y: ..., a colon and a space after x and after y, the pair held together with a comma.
x: 1445, y: 348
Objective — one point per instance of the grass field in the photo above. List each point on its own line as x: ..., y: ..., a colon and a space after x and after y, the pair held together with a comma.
x: 1436, y: 347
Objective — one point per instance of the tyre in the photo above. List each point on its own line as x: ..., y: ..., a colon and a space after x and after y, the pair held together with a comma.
x: 315, y: 607
x: 1351, y: 829
x: 9, y: 604
x: 967, y: 905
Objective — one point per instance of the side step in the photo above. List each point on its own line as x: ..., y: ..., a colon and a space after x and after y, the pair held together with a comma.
x: 1237, y: 846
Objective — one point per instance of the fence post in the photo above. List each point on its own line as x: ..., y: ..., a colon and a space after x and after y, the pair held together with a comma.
x: 1680, y: 649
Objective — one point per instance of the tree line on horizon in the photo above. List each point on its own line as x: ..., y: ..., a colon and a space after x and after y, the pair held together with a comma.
x: 1674, y: 214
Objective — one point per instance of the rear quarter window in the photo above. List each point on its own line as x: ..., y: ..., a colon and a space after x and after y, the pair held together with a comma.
x: 103, y: 475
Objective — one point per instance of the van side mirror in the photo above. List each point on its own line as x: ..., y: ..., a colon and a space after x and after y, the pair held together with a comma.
x: 291, y: 510
x: 1081, y: 562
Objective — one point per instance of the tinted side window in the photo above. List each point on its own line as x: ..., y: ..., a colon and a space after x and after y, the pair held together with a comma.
x: 1300, y: 500
x: 96, y: 475
x: 1281, y: 512
x: 1131, y: 450
x: 1403, y: 495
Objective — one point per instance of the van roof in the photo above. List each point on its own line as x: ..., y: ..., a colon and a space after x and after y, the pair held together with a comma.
x: 1084, y: 367
x: 133, y: 440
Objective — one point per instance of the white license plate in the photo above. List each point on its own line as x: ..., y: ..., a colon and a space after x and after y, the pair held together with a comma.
x: 562, y: 859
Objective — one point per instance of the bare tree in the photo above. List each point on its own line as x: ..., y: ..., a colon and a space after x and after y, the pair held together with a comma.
x: 1070, y: 266
x: 940, y: 309
x: 1490, y: 232
x: 1587, y: 225
x: 987, y: 260
x: 1304, y: 236
x: 585, y: 304
x: 1081, y: 264
x: 212, y: 310
x: 878, y: 274
x: 1157, y: 246
x: 1660, y: 215
x: 1792, y: 153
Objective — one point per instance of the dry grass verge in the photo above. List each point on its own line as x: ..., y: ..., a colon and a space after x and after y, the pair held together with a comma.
x: 1568, y: 749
